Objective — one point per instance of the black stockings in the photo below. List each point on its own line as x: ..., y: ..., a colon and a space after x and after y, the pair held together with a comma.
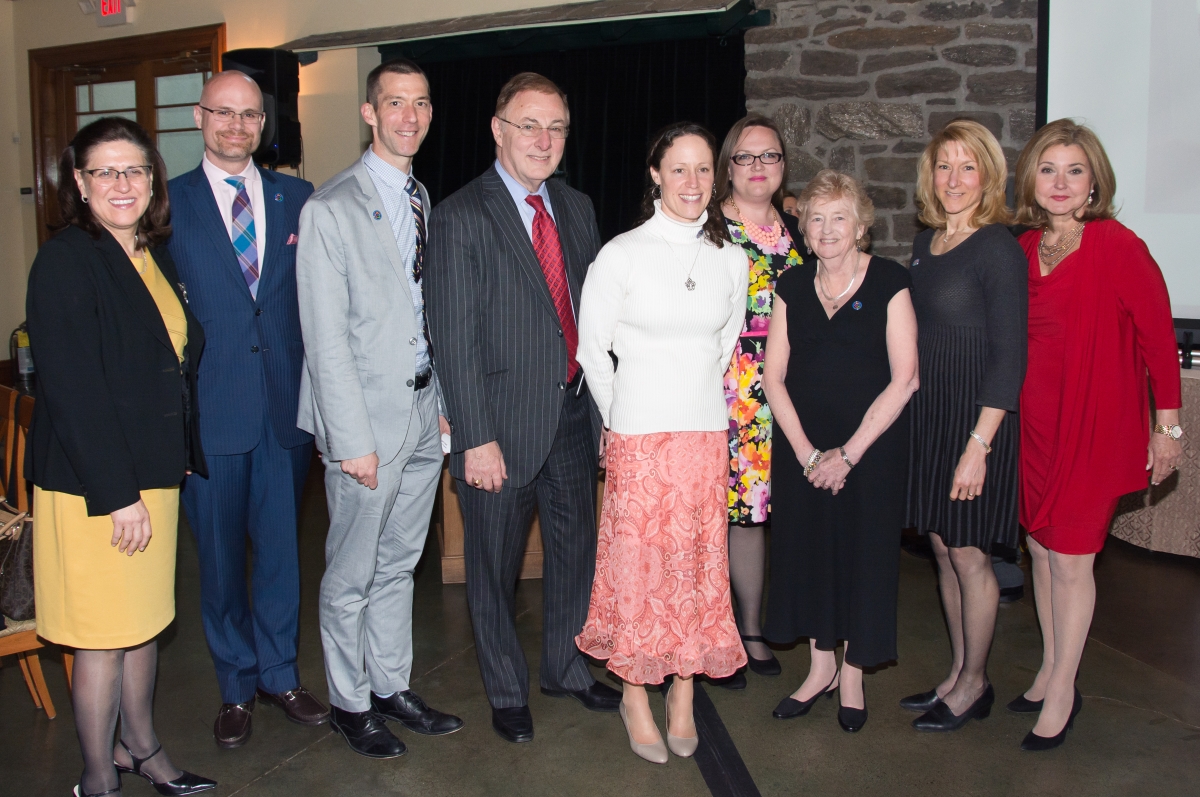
x: 107, y: 684
x: 747, y: 560
x: 970, y: 597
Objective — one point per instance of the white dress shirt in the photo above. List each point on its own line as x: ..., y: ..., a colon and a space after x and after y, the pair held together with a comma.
x: 226, y: 193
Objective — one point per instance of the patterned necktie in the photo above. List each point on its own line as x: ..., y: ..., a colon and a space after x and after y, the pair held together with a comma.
x: 414, y: 199
x: 550, y: 255
x: 244, y: 241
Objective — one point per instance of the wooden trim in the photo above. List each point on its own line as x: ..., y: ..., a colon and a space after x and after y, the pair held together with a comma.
x: 52, y: 101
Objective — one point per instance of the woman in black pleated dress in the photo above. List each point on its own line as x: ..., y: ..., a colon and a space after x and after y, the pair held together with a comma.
x: 970, y: 291
x: 841, y: 366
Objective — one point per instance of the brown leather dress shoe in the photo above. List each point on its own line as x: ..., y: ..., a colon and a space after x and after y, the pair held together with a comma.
x: 232, y: 727
x: 299, y: 704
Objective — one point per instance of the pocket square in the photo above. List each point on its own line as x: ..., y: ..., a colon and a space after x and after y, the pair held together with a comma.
x: 292, y: 240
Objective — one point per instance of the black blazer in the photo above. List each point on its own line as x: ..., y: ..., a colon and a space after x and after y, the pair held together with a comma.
x: 113, y: 414
x: 498, y: 346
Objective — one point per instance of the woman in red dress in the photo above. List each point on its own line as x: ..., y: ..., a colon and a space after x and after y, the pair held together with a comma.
x: 1099, y: 322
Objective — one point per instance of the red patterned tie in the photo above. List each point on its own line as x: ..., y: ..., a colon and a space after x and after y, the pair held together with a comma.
x: 550, y: 255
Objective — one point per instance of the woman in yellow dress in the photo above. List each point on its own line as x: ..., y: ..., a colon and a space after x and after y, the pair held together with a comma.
x: 114, y: 431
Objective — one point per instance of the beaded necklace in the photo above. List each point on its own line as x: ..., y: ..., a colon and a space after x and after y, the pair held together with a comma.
x: 766, y: 237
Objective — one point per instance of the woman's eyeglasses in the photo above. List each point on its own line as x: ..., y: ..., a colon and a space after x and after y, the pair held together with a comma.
x: 767, y: 158
x: 136, y: 175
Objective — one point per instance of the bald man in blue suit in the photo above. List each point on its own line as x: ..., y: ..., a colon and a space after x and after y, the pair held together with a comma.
x: 234, y: 243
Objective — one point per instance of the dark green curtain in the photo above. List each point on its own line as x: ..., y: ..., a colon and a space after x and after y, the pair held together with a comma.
x: 619, y: 96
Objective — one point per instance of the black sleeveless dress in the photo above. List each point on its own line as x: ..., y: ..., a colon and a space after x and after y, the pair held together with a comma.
x: 835, y: 559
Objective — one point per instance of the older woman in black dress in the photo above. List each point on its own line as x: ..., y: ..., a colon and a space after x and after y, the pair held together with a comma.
x: 841, y: 366
x: 970, y: 291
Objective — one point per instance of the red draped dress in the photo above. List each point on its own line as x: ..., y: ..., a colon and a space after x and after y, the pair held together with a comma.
x: 1099, y: 324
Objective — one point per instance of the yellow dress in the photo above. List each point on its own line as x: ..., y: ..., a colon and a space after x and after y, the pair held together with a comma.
x: 89, y: 594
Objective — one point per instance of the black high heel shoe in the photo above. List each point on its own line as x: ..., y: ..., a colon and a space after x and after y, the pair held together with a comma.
x: 790, y: 708
x: 769, y: 666
x: 1023, y: 705
x: 1036, y: 744
x: 941, y: 718
x: 852, y: 720
x: 79, y: 792
x: 921, y: 702
x: 185, y: 784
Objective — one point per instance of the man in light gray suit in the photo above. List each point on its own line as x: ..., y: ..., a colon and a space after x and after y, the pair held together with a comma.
x: 371, y: 399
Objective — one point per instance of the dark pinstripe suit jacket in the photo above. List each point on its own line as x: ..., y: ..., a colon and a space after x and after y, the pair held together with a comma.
x: 501, y: 357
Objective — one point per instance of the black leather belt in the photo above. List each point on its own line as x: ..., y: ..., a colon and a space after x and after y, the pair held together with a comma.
x: 422, y: 381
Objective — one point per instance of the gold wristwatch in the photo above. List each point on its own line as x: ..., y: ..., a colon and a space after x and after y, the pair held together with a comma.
x: 1173, y: 432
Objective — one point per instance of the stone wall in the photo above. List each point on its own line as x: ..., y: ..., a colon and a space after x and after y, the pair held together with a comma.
x: 862, y: 86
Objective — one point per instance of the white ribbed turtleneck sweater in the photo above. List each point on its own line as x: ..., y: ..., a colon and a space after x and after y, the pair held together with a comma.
x: 673, y: 345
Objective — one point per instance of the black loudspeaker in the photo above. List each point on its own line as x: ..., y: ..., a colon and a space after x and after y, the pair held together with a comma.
x: 277, y: 73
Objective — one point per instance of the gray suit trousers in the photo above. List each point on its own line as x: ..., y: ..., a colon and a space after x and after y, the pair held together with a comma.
x: 495, y: 528
x: 375, y: 540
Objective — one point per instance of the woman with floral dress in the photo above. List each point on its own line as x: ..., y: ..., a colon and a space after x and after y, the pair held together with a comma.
x: 750, y: 175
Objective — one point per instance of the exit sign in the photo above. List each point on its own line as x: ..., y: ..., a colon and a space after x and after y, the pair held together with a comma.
x: 112, y: 12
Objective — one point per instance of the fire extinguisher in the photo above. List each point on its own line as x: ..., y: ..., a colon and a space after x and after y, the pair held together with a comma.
x: 20, y: 353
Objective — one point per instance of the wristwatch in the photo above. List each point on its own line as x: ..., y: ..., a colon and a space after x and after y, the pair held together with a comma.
x: 1173, y: 432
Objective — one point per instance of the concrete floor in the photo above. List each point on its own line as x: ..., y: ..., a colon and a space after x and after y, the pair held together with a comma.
x: 1139, y: 732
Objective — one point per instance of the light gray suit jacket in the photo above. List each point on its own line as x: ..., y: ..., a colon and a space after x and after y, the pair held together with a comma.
x: 356, y: 314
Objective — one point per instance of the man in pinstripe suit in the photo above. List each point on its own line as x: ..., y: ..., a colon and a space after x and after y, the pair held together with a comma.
x: 507, y: 258
x: 369, y: 395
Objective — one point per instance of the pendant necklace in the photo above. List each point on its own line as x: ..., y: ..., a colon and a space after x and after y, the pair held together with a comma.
x: 1053, y: 254
x: 690, y: 284
x: 825, y: 293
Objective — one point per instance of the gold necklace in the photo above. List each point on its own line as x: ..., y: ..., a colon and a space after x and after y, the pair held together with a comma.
x: 1053, y: 254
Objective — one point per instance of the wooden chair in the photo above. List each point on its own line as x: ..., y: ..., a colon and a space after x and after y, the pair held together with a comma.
x: 20, y: 638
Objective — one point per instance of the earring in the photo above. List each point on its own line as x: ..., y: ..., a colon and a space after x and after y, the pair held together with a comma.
x: 1091, y: 195
x: 84, y: 200
x: 656, y: 191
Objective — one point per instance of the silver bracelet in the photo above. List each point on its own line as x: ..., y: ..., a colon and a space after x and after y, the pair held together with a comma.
x: 979, y: 438
x: 813, y: 459
x: 845, y: 458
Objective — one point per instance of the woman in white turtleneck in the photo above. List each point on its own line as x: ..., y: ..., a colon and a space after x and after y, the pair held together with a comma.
x: 668, y: 299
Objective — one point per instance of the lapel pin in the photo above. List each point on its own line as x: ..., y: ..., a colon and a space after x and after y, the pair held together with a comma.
x: 377, y: 215
x: 857, y: 305
x: 917, y: 262
x: 279, y: 197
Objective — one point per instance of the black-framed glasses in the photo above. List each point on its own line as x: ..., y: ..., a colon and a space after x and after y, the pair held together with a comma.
x: 225, y: 115
x: 767, y: 158
x: 533, y: 131
x: 136, y: 175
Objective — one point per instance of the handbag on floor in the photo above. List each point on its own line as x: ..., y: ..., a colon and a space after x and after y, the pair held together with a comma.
x: 16, y: 564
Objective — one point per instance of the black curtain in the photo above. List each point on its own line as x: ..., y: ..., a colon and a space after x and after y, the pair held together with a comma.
x: 619, y: 96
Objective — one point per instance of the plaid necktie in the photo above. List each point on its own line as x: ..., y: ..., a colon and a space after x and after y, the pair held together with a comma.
x: 554, y: 266
x: 244, y: 242
x: 414, y: 199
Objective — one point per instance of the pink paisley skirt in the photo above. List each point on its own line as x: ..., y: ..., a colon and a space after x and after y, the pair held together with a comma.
x: 660, y: 601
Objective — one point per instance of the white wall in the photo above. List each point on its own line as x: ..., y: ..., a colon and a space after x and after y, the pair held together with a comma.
x: 1102, y: 56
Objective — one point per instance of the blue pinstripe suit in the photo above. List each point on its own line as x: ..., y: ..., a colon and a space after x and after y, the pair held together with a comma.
x: 249, y: 386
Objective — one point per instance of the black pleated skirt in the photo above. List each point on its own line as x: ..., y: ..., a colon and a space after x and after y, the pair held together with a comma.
x: 944, y: 411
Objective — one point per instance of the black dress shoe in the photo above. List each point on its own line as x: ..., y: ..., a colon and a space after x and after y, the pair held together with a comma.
x: 735, y: 681
x: 185, y: 784
x: 1023, y: 705
x: 941, y: 718
x: 769, y: 666
x: 410, y: 710
x: 921, y: 702
x: 299, y: 705
x: 1036, y: 744
x: 366, y: 734
x: 513, y: 724
x: 790, y: 707
x: 852, y: 720
x: 597, y: 697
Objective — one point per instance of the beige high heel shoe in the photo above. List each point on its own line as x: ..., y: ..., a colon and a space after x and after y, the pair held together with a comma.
x: 682, y: 746
x: 655, y: 753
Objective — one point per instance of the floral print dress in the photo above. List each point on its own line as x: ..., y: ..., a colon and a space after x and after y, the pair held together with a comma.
x: 750, y: 418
